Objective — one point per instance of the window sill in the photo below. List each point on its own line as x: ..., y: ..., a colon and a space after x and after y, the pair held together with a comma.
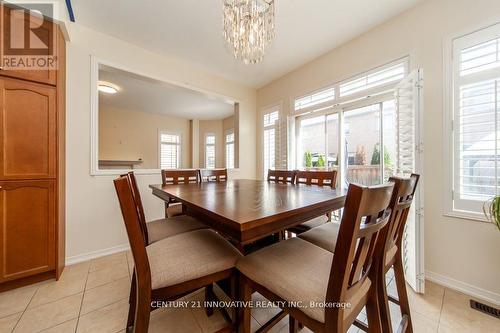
x: 464, y: 215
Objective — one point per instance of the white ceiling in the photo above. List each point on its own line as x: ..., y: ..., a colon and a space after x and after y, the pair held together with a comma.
x: 191, y: 30
x: 138, y: 93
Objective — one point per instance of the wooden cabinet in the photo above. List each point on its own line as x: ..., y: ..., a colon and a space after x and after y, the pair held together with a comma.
x: 27, y: 228
x: 45, y: 41
x: 32, y: 168
x: 27, y: 130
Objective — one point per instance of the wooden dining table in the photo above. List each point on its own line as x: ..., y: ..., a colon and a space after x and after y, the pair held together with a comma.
x: 249, y: 210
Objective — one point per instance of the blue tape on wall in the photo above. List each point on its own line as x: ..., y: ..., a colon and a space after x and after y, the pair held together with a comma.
x: 70, y: 10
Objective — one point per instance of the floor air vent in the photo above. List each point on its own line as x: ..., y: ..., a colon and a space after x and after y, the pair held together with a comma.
x: 485, y: 308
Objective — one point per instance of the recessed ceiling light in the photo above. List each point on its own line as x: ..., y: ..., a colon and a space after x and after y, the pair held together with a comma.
x: 108, y: 88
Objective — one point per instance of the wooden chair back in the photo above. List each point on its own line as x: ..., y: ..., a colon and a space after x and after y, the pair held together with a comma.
x: 186, y: 176
x: 402, y: 198
x: 138, y: 203
x: 320, y: 178
x: 281, y: 176
x: 366, y: 212
x: 135, y: 233
x: 213, y: 175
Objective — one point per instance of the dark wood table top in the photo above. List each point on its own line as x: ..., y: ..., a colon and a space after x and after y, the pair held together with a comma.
x: 246, y: 205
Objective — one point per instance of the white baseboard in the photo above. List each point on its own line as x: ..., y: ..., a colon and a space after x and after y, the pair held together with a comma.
x: 96, y: 254
x: 463, y: 287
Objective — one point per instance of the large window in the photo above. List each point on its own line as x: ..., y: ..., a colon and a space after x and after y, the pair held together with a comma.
x: 230, y: 149
x: 369, y: 151
x: 270, y: 123
x: 475, y: 121
x: 210, y: 151
x: 351, y: 127
x: 170, y: 150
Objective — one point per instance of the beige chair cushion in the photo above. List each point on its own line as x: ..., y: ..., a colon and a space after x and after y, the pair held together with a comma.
x: 174, y: 209
x: 189, y: 256
x: 294, y: 269
x: 162, y: 228
x: 316, y: 222
x: 324, y: 236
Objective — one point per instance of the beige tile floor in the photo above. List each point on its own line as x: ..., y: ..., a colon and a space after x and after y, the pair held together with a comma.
x: 93, y: 297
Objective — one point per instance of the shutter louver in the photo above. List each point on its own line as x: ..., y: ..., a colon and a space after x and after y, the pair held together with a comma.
x: 210, y: 151
x: 476, y: 131
x: 170, y: 149
x: 408, y: 97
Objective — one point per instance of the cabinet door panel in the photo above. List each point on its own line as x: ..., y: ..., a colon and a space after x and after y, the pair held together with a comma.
x: 43, y: 43
x: 27, y: 215
x: 28, y: 130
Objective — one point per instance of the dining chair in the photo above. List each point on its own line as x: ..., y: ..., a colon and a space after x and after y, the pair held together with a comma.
x: 390, y: 244
x: 161, y: 228
x: 213, y: 175
x: 281, y: 176
x: 173, y: 267
x: 314, y: 178
x: 314, y: 286
x: 174, y: 177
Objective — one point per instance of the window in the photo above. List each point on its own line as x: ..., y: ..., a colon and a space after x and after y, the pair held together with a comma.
x: 381, y: 76
x: 170, y: 150
x: 475, y: 125
x: 230, y: 149
x: 315, y: 98
x: 270, y: 118
x: 355, y: 131
x: 210, y: 151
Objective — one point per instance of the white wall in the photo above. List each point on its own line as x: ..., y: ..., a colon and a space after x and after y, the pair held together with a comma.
x: 464, y: 253
x: 93, y: 221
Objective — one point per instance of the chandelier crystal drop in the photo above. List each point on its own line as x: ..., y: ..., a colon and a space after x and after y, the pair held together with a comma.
x: 248, y: 28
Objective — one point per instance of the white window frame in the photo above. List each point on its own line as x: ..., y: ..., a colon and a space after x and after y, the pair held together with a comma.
x: 206, y: 145
x: 179, y: 157
x: 370, y: 92
x: 340, y: 105
x: 265, y: 111
x: 227, y: 143
x: 340, y: 110
x: 474, y: 35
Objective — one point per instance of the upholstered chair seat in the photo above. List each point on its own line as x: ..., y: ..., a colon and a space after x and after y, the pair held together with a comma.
x: 162, y: 228
x: 189, y: 256
x: 324, y: 236
x: 296, y: 271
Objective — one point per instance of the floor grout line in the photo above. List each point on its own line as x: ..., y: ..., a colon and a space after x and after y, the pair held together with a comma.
x: 25, y: 309
x: 64, y: 322
x: 105, y: 284
x: 83, y: 297
x: 441, y: 310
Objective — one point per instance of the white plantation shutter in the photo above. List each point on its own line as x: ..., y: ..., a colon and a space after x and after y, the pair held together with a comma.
x: 476, y: 111
x: 281, y: 144
x: 230, y: 150
x: 210, y: 151
x: 408, y: 160
x: 271, y: 139
x: 170, y: 150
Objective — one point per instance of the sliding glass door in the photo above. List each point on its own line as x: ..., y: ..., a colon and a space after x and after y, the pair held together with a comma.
x: 362, y: 141
x: 368, y: 147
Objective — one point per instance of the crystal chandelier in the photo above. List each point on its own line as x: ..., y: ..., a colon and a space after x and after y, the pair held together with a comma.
x: 248, y: 28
